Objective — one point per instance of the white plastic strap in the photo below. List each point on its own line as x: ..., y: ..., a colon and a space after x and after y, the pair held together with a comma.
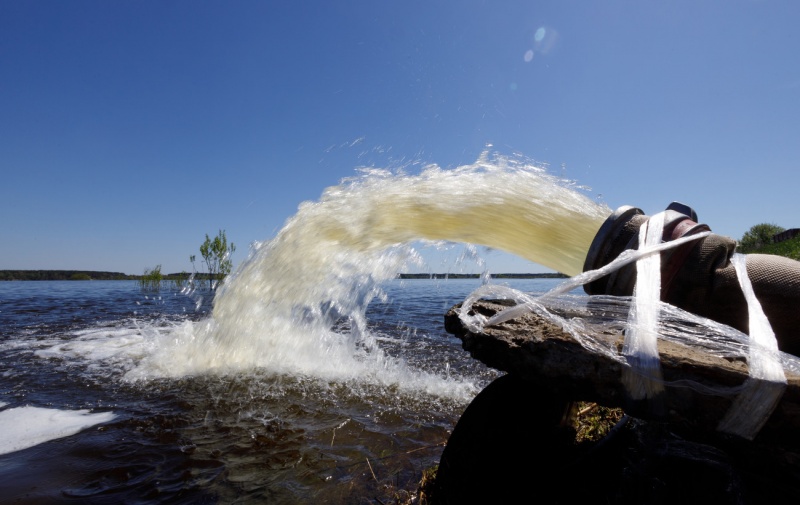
x: 767, y: 382
x: 643, y: 379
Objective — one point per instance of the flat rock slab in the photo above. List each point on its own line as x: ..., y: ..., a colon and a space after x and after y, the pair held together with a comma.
x: 538, y: 351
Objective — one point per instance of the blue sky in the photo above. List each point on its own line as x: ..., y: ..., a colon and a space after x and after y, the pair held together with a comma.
x: 128, y: 129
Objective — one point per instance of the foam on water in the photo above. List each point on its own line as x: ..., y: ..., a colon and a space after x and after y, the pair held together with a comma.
x: 28, y: 426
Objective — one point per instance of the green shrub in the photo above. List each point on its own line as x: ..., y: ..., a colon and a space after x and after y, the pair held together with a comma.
x: 758, y: 237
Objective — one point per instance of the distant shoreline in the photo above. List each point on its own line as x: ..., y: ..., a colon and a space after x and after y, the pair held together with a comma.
x: 477, y: 276
x: 86, y: 275
x: 79, y: 275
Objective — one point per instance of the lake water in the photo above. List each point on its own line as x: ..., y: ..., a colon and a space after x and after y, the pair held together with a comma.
x: 103, y: 399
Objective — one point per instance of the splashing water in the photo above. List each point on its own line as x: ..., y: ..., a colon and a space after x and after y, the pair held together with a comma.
x: 297, y: 304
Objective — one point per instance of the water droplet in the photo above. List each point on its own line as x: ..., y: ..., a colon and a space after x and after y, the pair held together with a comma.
x: 528, y: 56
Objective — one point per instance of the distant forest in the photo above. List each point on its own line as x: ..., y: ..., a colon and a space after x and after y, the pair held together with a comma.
x: 61, y: 275
x: 476, y: 276
x: 89, y: 275
x: 79, y: 275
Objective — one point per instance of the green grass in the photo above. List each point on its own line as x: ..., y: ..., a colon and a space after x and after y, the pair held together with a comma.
x: 788, y: 248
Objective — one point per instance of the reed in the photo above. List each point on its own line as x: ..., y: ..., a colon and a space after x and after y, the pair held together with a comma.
x: 151, y: 279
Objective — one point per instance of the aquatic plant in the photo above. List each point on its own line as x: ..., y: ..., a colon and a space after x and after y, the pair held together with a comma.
x: 216, y: 254
x: 151, y: 280
x: 180, y: 280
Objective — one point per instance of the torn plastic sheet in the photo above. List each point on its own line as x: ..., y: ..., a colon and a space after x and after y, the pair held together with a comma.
x: 596, y: 321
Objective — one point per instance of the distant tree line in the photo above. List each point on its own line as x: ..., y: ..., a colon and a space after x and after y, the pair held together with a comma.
x: 83, y: 275
x: 62, y: 275
x: 476, y: 276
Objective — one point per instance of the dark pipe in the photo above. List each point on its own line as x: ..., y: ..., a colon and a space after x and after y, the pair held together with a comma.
x: 698, y: 276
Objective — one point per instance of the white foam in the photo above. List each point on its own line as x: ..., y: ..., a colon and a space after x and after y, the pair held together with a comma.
x: 25, y: 427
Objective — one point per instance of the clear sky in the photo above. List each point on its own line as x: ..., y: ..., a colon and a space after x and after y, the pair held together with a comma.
x: 130, y: 129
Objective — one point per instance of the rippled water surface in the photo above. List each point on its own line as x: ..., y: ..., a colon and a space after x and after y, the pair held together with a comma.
x: 240, y: 435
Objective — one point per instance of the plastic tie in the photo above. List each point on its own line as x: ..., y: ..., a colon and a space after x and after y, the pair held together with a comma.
x: 643, y: 377
x: 764, y: 387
